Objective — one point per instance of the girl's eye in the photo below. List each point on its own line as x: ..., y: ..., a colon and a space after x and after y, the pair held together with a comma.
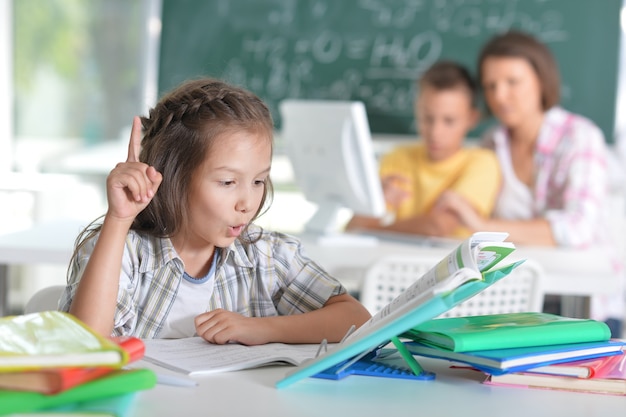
x: 259, y: 182
x: 227, y: 183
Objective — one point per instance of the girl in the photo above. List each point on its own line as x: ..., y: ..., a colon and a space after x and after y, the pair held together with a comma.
x: 177, y: 253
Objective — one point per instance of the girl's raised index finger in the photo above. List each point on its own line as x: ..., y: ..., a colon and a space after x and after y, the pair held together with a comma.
x: 134, y: 145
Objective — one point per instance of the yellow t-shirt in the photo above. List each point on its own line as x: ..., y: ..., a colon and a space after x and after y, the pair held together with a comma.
x: 473, y: 173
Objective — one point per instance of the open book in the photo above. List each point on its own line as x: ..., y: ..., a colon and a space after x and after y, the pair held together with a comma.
x: 196, y: 356
x: 464, y: 272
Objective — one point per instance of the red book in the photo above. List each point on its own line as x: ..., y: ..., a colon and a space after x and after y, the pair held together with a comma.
x: 611, y: 380
x: 586, y: 368
x: 55, y: 380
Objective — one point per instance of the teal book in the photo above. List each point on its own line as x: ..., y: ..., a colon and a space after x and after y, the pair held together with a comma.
x: 502, y: 331
x: 117, y: 383
x: 499, y: 361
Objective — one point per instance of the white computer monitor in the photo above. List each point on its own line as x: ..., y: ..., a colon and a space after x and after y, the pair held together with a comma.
x: 330, y: 148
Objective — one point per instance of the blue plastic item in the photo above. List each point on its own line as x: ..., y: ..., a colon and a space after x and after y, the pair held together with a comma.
x: 368, y: 365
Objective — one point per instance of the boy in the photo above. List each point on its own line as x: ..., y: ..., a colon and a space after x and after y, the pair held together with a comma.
x: 416, y: 178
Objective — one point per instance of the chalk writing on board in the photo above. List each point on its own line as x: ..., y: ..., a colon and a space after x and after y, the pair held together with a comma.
x: 377, y: 67
x: 374, y: 50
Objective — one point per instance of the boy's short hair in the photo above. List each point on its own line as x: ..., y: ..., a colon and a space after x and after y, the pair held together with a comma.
x: 517, y: 44
x: 448, y: 75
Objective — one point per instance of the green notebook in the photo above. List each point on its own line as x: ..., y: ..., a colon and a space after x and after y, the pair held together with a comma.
x: 502, y: 331
x: 114, y: 384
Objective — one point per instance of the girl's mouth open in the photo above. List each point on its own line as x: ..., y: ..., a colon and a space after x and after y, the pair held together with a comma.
x: 235, y: 231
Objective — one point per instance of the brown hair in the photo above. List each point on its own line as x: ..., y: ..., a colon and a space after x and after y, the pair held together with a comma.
x: 178, y: 133
x: 448, y: 75
x: 522, y: 45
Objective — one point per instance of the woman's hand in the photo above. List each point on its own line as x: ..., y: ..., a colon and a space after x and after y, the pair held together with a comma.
x: 452, y: 201
x: 131, y: 185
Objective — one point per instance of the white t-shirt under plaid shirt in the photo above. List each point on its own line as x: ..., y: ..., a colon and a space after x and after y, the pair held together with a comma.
x: 272, y: 276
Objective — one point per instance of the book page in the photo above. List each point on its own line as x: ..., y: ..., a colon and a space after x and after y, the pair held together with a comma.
x: 487, y: 249
x: 195, y: 356
x: 463, y: 264
x: 413, y: 297
x: 488, y: 255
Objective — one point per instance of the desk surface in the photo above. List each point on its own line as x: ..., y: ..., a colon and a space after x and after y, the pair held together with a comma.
x: 51, y: 242
x: 568, y: 272
x: 454, y: 392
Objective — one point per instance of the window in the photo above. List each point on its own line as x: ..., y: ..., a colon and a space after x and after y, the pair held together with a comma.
x: 78, y: 75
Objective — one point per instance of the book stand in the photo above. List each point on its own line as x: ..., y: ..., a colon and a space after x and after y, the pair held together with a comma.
x: 359, y: 354
x: 369, y: 364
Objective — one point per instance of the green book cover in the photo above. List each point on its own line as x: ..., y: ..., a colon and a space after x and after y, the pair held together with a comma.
x: 114, y: 384
x: 502, y: 331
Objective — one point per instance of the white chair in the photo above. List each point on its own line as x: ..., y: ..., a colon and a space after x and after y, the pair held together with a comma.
x: 390, y: 275
x: 387, y: 277
x: 45, y: 299
x: 518, y: 292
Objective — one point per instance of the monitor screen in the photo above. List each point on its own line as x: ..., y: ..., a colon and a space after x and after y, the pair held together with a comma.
x: 330, y: 148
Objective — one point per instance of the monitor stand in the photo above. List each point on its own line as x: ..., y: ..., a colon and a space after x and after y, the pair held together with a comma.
x: 322, y: 229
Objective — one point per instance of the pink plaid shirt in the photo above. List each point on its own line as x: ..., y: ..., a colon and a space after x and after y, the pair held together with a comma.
x: 571, y: 179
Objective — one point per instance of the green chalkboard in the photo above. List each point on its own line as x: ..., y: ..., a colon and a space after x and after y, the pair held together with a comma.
x: 373, y: 50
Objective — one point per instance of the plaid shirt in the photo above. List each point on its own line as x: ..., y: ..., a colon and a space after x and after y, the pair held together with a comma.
x: 571, y: 177
x: 268, y: 278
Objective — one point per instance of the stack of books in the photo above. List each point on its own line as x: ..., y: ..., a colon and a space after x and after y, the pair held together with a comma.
x: 535, y: 350
x: 51, y: 361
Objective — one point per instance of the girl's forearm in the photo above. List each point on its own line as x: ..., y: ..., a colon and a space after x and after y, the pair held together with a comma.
x: 96, y: 296
x: 330, y: 322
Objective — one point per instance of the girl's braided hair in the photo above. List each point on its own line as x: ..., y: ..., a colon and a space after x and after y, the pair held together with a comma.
x: 178, y: 133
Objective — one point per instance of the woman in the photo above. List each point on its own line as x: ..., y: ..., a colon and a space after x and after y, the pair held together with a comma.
x: 554, y: 163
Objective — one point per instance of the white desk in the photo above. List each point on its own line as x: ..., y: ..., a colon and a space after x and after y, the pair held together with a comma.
x: 454, y: 392
x: 46, y: 243
x: 568, y: 272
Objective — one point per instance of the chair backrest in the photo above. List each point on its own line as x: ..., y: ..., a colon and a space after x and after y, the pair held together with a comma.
x: 519, y: 292
x: 45, y: 299
x: 390, y: 275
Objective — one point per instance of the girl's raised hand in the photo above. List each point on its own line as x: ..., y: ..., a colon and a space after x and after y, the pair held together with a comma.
x: 131, y: 185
